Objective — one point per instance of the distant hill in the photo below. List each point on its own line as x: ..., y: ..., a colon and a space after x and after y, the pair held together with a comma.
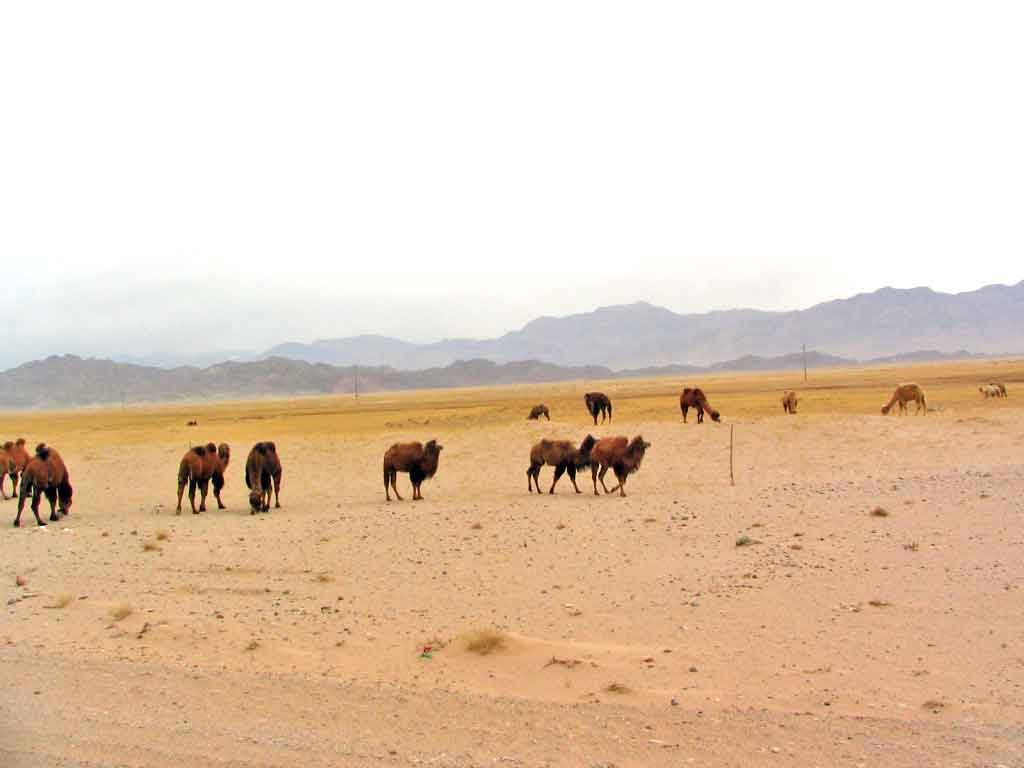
x: 66, y: 381
x: 887, y: 322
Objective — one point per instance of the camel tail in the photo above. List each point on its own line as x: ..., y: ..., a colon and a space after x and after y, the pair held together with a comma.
x: 27, y: 487
x: 184, y: 473
x: 609, y: 410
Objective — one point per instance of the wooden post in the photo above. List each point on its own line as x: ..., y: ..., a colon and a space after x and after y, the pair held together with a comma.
x: 805, y: 363
x: 357, y: 382
x: 732, y: 479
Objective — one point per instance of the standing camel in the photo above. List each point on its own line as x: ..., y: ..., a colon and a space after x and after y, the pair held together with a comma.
x: 621, y: 455
x: 598, y: 403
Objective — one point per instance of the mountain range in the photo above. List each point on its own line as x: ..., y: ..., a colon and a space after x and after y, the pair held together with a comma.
x: 68, y: 381
x: 888, y: 321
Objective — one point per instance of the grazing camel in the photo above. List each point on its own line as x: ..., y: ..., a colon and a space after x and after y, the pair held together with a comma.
x: 906, y: 393
x: 563, y: 456
x: 45, y: 474
x: 263, y: 468
x: 537, y: 411
x: 694, y: 398
x: 990, y: 390
x: 1000, y: 386
x: 598, y: 403
x: 200, y: 466
x: 20, y: 457
x: 419, y: 460
x: 620, y: 454
x: 789, y: 402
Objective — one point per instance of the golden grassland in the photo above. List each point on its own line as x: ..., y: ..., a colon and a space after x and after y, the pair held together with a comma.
x: 739, y: 396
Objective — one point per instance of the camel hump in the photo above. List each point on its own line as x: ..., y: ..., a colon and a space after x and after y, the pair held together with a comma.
x: 43, y: 451
x: 199, y: 450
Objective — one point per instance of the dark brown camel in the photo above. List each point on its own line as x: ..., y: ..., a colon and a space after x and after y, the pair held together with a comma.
x: 598, y: 403
x: 419, y: 460
x: 20, y: 457
x: 563, y: 456
x: 537, y: 411
x: 263, y: 469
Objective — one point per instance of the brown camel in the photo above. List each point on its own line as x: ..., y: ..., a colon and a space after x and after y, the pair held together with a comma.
x: 537, y: 411
x: 419, y: 460
x: 694, y: 398
x: 21, y: 458
x: 45, y: 474
x: 789, y: 401
x: 598, y: 403
x: 263, y: 469
x: 1000, y: 386
x: 7, y: 468
x: 907, y: 393
x: 622, y: 455
x: 990, y: 390
x: 563, y: 456
x: 200, y: 466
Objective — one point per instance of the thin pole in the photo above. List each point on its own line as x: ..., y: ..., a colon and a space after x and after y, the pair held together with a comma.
x: 732, y: 479
x: 805, y: 363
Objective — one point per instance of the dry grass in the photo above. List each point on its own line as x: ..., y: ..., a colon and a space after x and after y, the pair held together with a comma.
x: 121, y: 611
x: 324, y: 578
x: 476, y: 526
x: 485, y: 641
x: 63, y: 600
x: 934, y: 705
x: 879, y: 603
x: 746, y: 541
x: 252, y: 645
x: 163, y: 536
x: 617, y: 688
x: 151, y: 546
x: 912, y: 546
x: 20, y: 580
x: 879, y: 512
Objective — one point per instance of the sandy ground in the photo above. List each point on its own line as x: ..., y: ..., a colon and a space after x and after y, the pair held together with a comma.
x: 637, y: 632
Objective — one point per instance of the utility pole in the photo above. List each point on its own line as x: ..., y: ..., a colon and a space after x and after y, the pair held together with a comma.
x: 357, y: 382
x: 805, y: 363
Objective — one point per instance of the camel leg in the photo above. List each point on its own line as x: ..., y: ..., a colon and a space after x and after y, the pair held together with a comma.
x: 394, y: 484
x: 572, y: 478
x: 21, y: 507
x: 559, y: 471
x: 36, y: 496
x: 51, y: 497
x: 416, y: 495
x: 204, y: 488
x: 181, y: 491
x: 218, y: 484
x: 593, y: 476
x: 529, y: 479
x: 600, y: 476
x: 700, y: 415
x: 277, y: 492
x: 192, y: 495
x: 685, y: 409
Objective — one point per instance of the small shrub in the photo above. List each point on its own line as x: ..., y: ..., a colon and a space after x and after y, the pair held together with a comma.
x: 252, y: 645
x: 162, y: 535
x: 746, y: 541
x: 324, y: 578
x: 62, y: 600
x: 121, y: 611
x: 476, y: 526
x: 20, y: 580
x: 912, y: 546
x: 485, y: 641
x: 879, y: 512
x: 151, y: 546
x: 879, y: 603
x: 617, y: 688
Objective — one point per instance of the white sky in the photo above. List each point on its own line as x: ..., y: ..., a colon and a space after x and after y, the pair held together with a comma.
x: 204, y: 175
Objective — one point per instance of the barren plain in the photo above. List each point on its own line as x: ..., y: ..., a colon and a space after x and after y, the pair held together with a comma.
x: 855, y: 599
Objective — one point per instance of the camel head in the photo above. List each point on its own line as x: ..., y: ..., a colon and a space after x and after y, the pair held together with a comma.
x: 255, y: 500
x: 224, y: 453
x: 715, y: 416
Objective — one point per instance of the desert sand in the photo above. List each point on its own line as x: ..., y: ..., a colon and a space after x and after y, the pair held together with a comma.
x: 856, y: 598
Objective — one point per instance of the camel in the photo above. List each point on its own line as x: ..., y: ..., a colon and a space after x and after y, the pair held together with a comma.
x: 200, y: 466
x: 622, y: 455
x: 537, y: 411
x: 1000, y: 386
x: 563, y: 456
x: 263, y: 468
x: 990, y: 390
x: 419, y: 460
x: 598, y: 403
x: 7, y: 468
x: 21, y: 457
x: 906, y: 393
x: 694, y: 398
x: 789, y: 401
x: 45, y: 474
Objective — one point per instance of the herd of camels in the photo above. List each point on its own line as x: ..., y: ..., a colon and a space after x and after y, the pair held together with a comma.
x: 44, y: 473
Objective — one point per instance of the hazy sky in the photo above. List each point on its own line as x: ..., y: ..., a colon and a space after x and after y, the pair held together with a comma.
x: 219, y: 175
